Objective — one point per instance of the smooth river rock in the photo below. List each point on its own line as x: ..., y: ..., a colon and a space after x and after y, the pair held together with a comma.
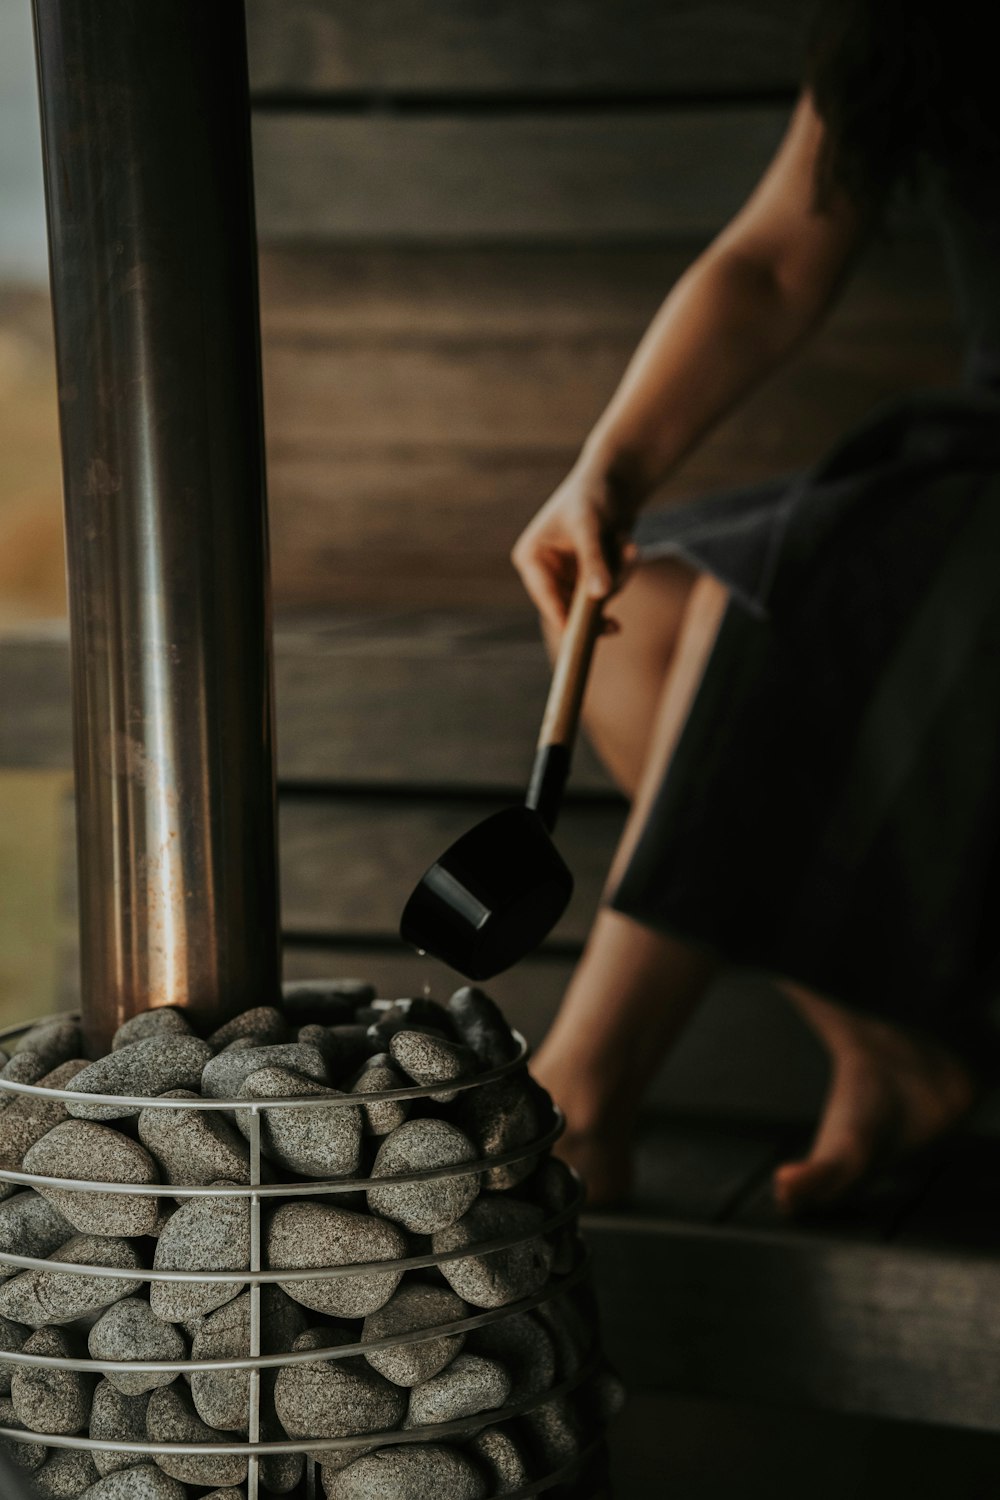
x: 66, y: 1474
x: 86, y: 1152
x: 145, y: 1482
x: 321, y: 1142
x: 482, y: 1026
x: 303, y: 1235
x: 30, y: 1225
x: 221, y: 1397
x: 194, y: 1146
x: 119, y: 1419
x: 171, y: 1418
x: 52, y: 1400
x: 164, y: 1020
x: 131, y: 1330
x: 419, y: 1146
x: 30, y: 1456
x: 43, y: 1297
x: 144, y: 1070
x: 12, y: 1337
x: 378, y: 1076
x: 496, y: 1451
x: 335, y: 1398
x: 502, y: 1276
x: 501, y: 1117
x: 415, y: 1306
x: 429, y: 1059
x: 28, y: 1117
x: 265, y: 1026
x: 471, y: 1384
x: 226, y: 1074
x: 408, y: 1471
x: 525, y: 1349
x: 204, y: 1234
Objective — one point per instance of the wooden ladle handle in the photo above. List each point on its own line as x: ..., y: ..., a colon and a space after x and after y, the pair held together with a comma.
x: 562, y: 710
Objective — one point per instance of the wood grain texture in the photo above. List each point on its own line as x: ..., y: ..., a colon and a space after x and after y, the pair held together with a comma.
x: 681, y: 47
x: 609, y: 176
x: 800, y: 1321
x: 422, y: 403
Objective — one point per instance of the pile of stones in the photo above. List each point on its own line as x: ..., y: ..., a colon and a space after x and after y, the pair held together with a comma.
x: 494, y: 1407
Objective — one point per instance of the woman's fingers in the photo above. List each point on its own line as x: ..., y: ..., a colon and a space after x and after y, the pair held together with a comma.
x: 541, y: 581
x: 591, y: 563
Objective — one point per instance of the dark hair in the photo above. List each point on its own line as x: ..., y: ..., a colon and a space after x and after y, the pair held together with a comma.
x: 900, y: 84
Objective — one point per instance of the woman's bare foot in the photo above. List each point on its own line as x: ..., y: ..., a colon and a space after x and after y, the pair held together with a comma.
x: 891, y: 1091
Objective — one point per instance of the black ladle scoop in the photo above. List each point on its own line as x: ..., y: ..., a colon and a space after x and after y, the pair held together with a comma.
x: 501, y: 888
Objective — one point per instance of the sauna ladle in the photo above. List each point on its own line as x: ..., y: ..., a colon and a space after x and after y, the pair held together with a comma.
x: 500, y: 889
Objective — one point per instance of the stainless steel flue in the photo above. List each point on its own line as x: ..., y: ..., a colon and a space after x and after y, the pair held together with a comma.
x: 153, y: 258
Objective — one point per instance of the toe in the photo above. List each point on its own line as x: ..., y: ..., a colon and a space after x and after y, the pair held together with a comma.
x: 857, y: 1122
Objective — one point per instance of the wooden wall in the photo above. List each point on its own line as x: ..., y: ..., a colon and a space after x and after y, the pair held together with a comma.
x: 469, y: 209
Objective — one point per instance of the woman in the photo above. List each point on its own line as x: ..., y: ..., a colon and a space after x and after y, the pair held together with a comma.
x: 802, y: 694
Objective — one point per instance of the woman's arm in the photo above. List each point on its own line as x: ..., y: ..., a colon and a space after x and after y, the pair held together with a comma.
x: 744, y: 305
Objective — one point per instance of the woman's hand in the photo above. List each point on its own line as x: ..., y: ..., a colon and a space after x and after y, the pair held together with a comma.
x: 581, y: 531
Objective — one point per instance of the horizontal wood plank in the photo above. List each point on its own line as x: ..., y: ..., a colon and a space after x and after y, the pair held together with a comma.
x: 611, y: 176
x: 331, y: 47
x: 423, y: 403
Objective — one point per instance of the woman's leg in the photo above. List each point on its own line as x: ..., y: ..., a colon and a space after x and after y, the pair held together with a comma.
x: 634, y: 988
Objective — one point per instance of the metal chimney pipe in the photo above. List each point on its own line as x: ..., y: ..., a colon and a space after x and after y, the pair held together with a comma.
x: 145, y: 124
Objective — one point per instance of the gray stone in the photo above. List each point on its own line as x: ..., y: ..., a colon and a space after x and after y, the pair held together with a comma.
x: 328, y: 1001
x: 141, y: 1070
x: 52, y: 1042
x: 27, y: 1118
x: 413, y: 1307
x: 499, y: 1118
x: 431, y: 1059
x: 205, y: 1234
x: 480, y: 1023
x: 553, y: 1186
x: 24, y: 1067
x: 235, y: 1494
x: 66, y: 1474
x: 131, y: 1330
x: 194, y: 1146
x: 164, y: 1020
x: 222, y: 1397
x: 419, y: 1146
x: 553, y: 1433
x: 30, y: 1456
x: 416, y: 1471
x: 43, y: 1297
x: 117, y: 1419
x: 390, y: 1016
x: 85, y: 1152
x: 525, y: 1350
x: 49, y: 1400
x: 145, y: 1482
x: 469, y: 1385
x: 265, y: 1026
x: 376, y: 1077
x: 572, y: 1334
x: 280, y: 1473
x: 303, y: 1235
x: 335, y: 1398
x: 12, y: 1337
x: 32, y: 1226
x: 346, y: 1048
x: 171, y: 1418
x: 499, y: 1455
x: 502, y: 1276
x: 322, y: 1142
x: 225, y: 1075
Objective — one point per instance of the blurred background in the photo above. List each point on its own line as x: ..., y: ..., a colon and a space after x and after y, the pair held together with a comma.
x: 468, y: 211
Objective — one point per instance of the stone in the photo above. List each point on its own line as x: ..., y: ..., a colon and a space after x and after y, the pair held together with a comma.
x: 28, y: 1117
x: 145, y: 1482
x: 52, y: 1042
x: 12, y: 1337
x: 204, y: 1234
x: 164, y: 1020
x: 118, y: 1419
x: 86, y: 1152
x: 280, y: 1473
x: 391, y: 1016
x: 66, y: 1475
x: 525, y: 1350
x: 416, y: 1471
x: 502, y: 1276
x: 419, y: 1146
x: 51, y: 1400
x: 225, y: 1075
x: 303, y: 1235
x: 413, y: 1307
x: 378, y: 1076
x: 265, y: 1026
x: 469, y: 1385
x: 171, y: 1418
x: 23, y: 1067
x: 346, y: 1048
x: 496, y: 1452
x: 131, y: 1330
x: 141, y: 1070
x: 553, y: 1186
x: 499, y: 1118
x: 30, y: 1225
x: 29, y: 1455
x: 431, y: 1059
x: 221, y: 1397
x: 572, y: 1334
x: 235, y: 1494
x: 42, y: 1297
x: 602, y: 1398
x: 322, y: 1142
x: 553, y: 1433
x: 480, y: 1023
x: 330, y: 1002
x: 335, y: 1398
x: 194, y: 1146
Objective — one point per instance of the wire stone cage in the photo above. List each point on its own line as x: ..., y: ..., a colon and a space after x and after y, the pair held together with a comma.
x: 572, y: 1407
